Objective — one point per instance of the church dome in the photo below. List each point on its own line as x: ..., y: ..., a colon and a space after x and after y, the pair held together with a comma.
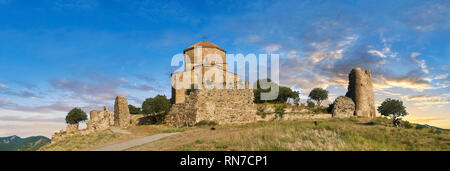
x: 205, y: 44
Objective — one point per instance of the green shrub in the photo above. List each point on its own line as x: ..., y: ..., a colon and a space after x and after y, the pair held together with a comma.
x: 75, y: 116
x: 261, y: 111
x: 280, y: 110
x: 380, y: 121
x: 134, y: 109
x: 419, y: 127
x: 407, y: 124
x: 330, y: 108
x: 318, y: 110
x: 310, y: 103
x: 206, y: 123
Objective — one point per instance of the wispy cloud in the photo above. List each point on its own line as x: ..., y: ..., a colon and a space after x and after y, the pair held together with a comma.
x: 4, y: 100
x: 442, y: 76
x: 409, y: 82
x: 3, y: 86
x: 45, y: 109
x: 272, y: 47
x: 422, y: 64
x: 98, y: 89
x: 377, y: 53
x: 31, y: 119
x: 423, y: 97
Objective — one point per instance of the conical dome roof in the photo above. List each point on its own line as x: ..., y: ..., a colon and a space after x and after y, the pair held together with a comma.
x: 204, y: 44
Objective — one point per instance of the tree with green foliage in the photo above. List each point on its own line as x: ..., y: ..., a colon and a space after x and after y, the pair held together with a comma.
x: 159, y: 105
x: 76, y: 115
x: 330, y: 108
x: 283, y: 95
x: 318, y: 94
x: 134, y: 109
x: 310, y: 104
x: 394, y: 109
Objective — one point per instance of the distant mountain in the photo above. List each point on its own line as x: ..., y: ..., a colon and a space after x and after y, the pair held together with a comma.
x: 429, y: 126
x: 15, y: 143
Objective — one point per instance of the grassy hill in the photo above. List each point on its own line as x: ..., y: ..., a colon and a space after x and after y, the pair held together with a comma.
x: 15, y: 143
x: 320, y: 135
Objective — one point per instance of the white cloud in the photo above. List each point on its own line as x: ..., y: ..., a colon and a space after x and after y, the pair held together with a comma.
x: 377, y: 53
x: 272, y: 48
x: 123, y: 80
x: 440, y: 77
x: 3, y: 86
x: 414, y: 83
x: 422, y: 64
x: 5, y: 100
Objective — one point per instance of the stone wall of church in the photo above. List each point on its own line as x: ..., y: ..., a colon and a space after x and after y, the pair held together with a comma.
x: 220, y: 105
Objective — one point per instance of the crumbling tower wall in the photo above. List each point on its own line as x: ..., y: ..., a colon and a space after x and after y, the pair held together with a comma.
x: 360, y: 90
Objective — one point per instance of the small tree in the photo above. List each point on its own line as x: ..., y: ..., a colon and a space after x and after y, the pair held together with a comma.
x: 310, y: 104
x: 393, y: 108
x: 76, y: 115
x: 284, y: 93
x: 318, y: 94
x: 134, y: 109
x: 157, y: 105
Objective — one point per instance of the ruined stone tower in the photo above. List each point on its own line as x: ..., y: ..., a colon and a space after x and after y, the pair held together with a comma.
x: 100, y: 119
x: 360, y: 90
x: 122, y: 116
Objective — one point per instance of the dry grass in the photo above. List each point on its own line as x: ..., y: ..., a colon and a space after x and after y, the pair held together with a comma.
x: 90, y: 141
x: 322, y: 135
x: 327, y: 135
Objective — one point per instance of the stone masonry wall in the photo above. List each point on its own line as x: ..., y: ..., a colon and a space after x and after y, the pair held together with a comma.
x: 226, y: 106
x: 292, y: 113
x: 100, y: 120
x: 219, y: 105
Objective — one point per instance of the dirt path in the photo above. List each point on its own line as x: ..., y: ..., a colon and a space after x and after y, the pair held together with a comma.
x: 133, y: 143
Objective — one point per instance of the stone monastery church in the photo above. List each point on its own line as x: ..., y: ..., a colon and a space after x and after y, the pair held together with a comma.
x: 200, y: 59
x: 205, y: 64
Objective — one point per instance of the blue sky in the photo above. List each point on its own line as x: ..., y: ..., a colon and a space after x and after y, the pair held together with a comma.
x: 60, y: 54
